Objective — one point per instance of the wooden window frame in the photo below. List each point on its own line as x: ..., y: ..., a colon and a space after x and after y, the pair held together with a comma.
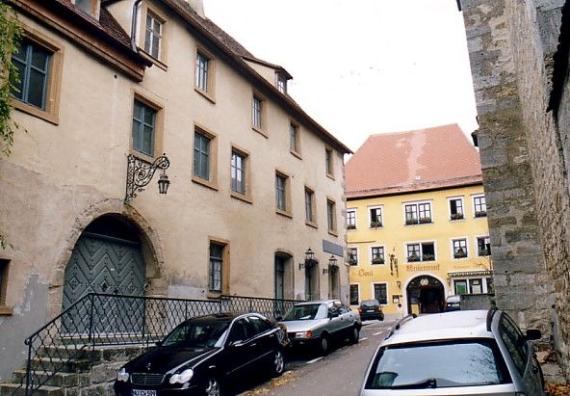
x: 159, y: 127
x: 348, y: 225
x: 51, y: 112
x: 421, y: 256
x: 348, y: 255
x: 417, y: 211
x: 225, y: 267
x: 162, y: 59
x: 458, y: 240
x: 372, y: 254
x: 332, y: 228
x: 357, y: 293
x: 374, y: 292
x: 210, y: 92
x: 280, y: 77
x: 477, y: 238
x: 262, y: 128
x: 329, y: 162
x: 247, y: 196
x: 296, y: 151
x: 370, y: 209
x: 314, y: 222
x: 483, y: 214
x: 451, y: 215
x: 288, y: 212
x: 212, y: 182
x: 4, y: 272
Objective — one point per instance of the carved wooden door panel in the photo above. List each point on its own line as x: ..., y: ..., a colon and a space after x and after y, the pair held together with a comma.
x: 101, y: 264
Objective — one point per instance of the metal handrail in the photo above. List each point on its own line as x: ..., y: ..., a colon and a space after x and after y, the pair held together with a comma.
x: 99, y: 319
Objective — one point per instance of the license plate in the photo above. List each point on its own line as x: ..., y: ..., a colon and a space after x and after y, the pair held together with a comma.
x: 143, y: 392
x: 369, y: 310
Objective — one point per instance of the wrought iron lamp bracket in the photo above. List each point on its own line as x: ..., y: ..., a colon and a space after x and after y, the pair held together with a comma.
x: 140, y: 174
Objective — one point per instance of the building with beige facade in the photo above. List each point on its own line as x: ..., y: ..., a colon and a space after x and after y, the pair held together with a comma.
x: 417, y: 221
x: 254, y: 181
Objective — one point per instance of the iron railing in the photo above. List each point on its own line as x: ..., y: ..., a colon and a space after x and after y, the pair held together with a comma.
x: 65, y: 342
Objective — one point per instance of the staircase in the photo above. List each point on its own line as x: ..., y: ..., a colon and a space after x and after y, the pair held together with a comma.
x: 86, y: 373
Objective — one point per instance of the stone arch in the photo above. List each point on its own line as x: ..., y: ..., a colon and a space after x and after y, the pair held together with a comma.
x: 152, y: 248
x: 434, y: 282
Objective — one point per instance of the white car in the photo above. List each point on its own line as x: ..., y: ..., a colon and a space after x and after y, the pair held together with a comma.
x: 456, y: 353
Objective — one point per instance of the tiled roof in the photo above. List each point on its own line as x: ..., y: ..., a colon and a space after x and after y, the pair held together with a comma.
x: 425, y: 159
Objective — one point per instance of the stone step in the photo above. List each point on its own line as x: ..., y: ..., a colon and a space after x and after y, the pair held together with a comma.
x: 97, y: 354
x: 63, y: 380
x: 18, y: 390
x: 60, y: 365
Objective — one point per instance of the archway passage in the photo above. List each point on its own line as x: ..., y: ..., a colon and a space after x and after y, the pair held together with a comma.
x: 425, y: 295
x: 107, y: 258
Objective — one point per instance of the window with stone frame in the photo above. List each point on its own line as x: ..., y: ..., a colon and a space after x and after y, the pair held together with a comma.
x: 331, y: 216
x: 238, y: 172
x: 377, y: 253
x: 257, y: 112
x: 460, y: 248
x: 480, y: 206
x: 460, y: 287
x: 144, y: 128
x: 354, y: 295
x: 381, y: 293
x: 329, y: 162
x: 483, y: 246
x: 351, y: 219
x: 202, y: 156
x: 424, y: 251
x: 202, y: 72
x: 153, y: 35
x: 418, y: 213
x: 376, y: 217
x: 216, y: 270
x: 310, y: 215
x: 282, y: 83
x: 294, y: 145
x: 456, y: 209
x: 3, y: 281
x: 281, y: 200
x: 352, y: 256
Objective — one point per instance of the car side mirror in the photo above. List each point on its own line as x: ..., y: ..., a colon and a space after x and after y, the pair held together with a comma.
x: 533, y: 334
x: 235, y: 344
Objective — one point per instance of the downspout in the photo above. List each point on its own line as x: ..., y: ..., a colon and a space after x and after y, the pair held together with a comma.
x: 134, y: 26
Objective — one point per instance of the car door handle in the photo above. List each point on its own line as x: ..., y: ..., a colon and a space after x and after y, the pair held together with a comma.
x: 252, y: 345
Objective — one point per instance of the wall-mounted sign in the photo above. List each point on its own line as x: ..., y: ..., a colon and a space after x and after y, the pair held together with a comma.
x: 362, y: 272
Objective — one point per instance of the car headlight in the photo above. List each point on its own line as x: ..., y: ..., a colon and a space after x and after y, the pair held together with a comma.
x: 181, y: 378
x: 122, y: 375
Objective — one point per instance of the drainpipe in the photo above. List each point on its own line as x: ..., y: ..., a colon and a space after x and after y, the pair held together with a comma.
x: 134, y: 25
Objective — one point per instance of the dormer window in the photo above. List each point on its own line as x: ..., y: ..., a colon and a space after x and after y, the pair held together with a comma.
x: 281, y: 83
x: 88, y: 6
x: 153, y: 35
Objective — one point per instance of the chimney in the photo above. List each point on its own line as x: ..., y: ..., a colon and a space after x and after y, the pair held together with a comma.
x: 198, y: 6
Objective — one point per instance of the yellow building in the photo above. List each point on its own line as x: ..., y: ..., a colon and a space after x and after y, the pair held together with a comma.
x: 416, y: 219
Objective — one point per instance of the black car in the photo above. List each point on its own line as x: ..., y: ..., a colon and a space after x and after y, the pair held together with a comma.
x: 203, y: 355
x: 370, y: 310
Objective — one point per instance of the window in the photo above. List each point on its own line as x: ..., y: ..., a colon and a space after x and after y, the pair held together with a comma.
x: 514, y: 341
x: 3, y: 283
x: 238, y: 172
x: 310, y: 215
x: 153, y: 35
x: 281, y: 83
x: 216, y: 267
x: 201, y: 155
x: 460, y: 286
x: 354, y: 295
x: 480, y: 206
x: 377, y: 253
x: 281, y: 193
x: 87, y: 6
x: 351, y: 219
x: 459, y: 248
x: 490, y: 287
x: 376, y: 217
x: 381, y: 293
x: 329, y: 162
x: 352, y: 256
x: 483, y: 246
x: 476, y: 286
x: 294, y: 139
x: 144, y: 126
x: 418, y: 213
x: 424, y: 251
x: 202, y: 72
x: 257, y: 112
x: 331, y: 216
x: 33, y: 63
x: 456, y: 209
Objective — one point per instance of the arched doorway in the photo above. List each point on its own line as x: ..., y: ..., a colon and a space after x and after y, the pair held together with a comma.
x: 107, y: 258
x: 426, y: 294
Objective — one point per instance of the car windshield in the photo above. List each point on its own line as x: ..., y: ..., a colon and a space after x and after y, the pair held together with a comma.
x: 306, y: 312
x: 197, y: 334
x: 414, y: 366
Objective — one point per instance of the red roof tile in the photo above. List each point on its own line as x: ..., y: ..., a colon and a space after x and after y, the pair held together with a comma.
x: 424, y: 159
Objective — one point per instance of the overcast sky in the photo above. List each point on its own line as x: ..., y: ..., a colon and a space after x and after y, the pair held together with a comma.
x: 362, y: 66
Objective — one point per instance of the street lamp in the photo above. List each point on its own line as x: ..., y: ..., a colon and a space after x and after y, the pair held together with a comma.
x: 140, y: 173
x: 332, y: 265
x: 309, y: 259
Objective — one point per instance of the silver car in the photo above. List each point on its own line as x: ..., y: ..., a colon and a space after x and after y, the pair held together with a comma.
x: 316, y: 324
x: 456, y: 353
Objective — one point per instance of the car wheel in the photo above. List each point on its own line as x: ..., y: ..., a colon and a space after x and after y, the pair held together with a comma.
x: 213, y: 387
x: 354, y: 335
x: 278, y: 363
x: 324, y: 344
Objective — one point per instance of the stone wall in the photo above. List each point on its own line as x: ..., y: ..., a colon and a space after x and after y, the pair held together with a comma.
x: 511, y: 48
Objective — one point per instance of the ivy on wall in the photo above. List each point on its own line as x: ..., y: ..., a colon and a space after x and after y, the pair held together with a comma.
x: 10, y: 33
